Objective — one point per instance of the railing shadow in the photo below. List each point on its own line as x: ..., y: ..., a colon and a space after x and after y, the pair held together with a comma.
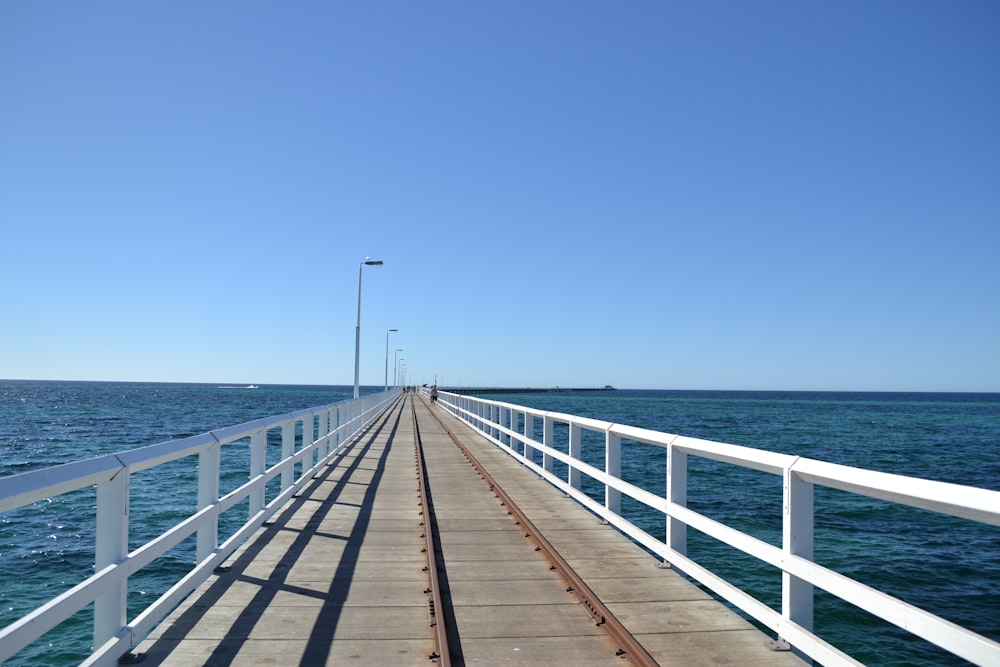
x: 318, y: 645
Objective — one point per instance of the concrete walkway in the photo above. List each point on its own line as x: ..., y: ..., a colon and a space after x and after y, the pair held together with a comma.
x: 339, y: 575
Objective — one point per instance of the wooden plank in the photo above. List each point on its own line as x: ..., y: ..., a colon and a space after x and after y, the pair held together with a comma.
x: 338, y: 577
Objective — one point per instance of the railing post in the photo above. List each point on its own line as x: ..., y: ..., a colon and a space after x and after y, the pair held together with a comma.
x: 112, y: 546
x: 613, y: 467
x: 258, y: 451
x: 335, y: 428
x: 324, y: 428
x: 287, y: 450
x: 575, y: 448
x: 209, y: 465
x: 677, y: 474
x: 548, y: 439
x: 797, y: 540
x: 529, y: 434
x: 308, y: 436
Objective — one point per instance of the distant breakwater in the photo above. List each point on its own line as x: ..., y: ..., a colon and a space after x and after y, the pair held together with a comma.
x: 523, y: 390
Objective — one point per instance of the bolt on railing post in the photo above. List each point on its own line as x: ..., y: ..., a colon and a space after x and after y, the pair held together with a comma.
x: 575, y: 452
x: 613, y: 467
x: 209, y: 465
x: 797, y: 540
x: 677, y: 483
x: 258, y: 451
x: 112, y: 546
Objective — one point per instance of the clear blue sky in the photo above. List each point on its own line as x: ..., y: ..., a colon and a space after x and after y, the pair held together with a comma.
x: 703, y: 195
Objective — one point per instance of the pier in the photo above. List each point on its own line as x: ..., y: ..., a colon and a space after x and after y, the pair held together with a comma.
x: 340, y: 575
x: 389, y: 530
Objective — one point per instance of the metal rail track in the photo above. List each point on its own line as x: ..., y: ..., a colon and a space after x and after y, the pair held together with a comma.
x: 628, y: 646
x: 436, y: 608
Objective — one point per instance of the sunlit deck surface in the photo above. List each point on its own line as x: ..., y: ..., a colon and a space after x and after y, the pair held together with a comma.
x: 339, y: 576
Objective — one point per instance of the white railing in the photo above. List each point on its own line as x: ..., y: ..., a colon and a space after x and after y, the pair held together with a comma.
x: 512, y: 427
x: 326, y: 430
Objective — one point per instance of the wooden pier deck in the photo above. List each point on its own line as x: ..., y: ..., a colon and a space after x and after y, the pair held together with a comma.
x: 339, y: 575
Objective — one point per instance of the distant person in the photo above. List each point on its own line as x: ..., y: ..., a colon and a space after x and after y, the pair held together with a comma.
x: 434, y: 394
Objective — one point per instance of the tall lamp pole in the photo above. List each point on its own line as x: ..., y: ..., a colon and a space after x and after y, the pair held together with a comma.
x: 386, y: 388
x: 357, y: 330
x: 395, y: 366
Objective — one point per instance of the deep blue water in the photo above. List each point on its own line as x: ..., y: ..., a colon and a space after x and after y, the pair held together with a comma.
x: 948, y: 566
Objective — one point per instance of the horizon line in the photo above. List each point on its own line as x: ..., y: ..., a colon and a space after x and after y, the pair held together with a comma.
x: 521, y: 388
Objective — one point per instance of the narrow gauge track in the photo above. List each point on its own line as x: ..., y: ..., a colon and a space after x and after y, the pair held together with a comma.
x: 436, y: 606
x: 628, y: 646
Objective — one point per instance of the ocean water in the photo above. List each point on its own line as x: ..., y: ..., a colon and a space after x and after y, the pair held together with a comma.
x: 948, y: 566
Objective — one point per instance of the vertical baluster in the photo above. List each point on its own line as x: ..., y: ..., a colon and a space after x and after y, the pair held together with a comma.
x: 575, y: 453
x: 676, y: 493
x: 209, y: 465
x: 797, y: 539
x: 324, y: 430
x: 308, y: 436
x: 529, y: 434
x: 112, y: 546
x: 613, y: 467
x: 258, y: 450
x: 287, y: 450
x: 338, y: 431
x: 548, y: 439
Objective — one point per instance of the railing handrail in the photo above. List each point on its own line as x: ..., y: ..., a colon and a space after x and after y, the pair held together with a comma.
x: 499, y: 422
x: 338, y: 424
x: 977, y: 504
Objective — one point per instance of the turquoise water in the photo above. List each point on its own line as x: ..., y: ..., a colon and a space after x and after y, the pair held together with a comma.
x: 948, y: 566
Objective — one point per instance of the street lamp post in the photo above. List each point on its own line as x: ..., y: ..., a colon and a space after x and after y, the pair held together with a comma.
x: 395, y: 366
x: 357, y: 330
x: 386, y: 388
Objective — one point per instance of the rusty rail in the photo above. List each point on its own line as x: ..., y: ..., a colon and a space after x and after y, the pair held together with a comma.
x: 435, y: 605
x: 628, y: 646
